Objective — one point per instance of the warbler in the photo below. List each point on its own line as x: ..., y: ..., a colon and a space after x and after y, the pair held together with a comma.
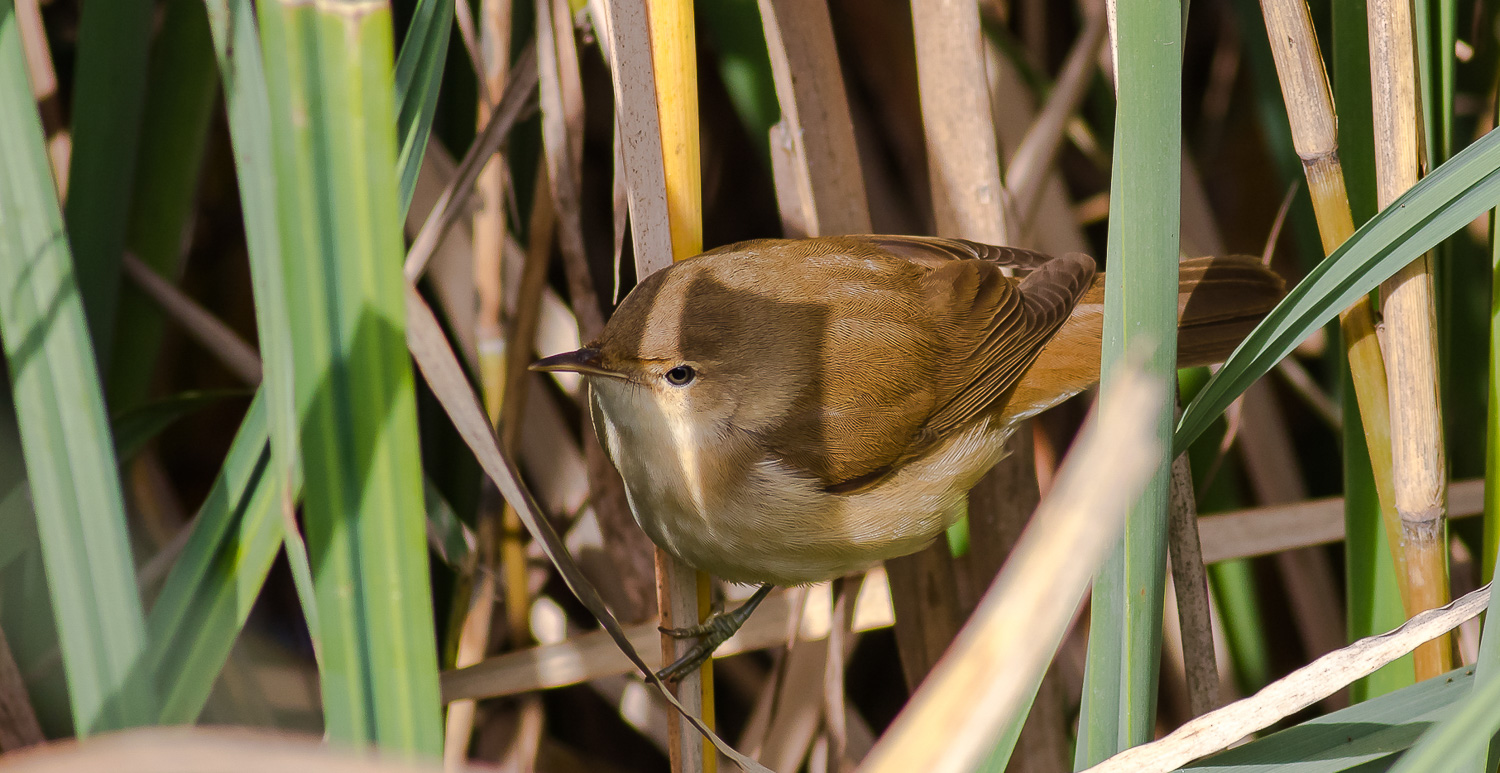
x: 785, y: 411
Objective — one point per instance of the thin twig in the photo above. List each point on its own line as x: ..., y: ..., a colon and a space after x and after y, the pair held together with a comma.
x: 217, y: 338
x: 1190, y: 580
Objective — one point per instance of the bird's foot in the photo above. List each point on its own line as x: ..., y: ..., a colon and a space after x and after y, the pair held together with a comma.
x: 716, y: 630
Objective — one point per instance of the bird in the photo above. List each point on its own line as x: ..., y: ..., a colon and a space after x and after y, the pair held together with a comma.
x: 787, y: 411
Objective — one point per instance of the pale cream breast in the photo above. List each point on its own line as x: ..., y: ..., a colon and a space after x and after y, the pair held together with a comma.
x: 757, y: 520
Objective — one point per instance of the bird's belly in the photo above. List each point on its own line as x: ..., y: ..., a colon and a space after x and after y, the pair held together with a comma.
x: 780, y: 527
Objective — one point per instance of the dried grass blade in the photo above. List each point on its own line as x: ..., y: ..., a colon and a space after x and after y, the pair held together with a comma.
x: 1219, y: 729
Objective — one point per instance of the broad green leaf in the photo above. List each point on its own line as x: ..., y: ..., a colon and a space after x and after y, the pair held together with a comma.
x: 205, y: 600
x: 1140, y: 321
x: 1464, y: 735
x: 70, y: 461
x: 329, y: 74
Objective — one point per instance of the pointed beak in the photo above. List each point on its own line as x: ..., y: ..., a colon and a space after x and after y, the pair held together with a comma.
x: 585, y: 361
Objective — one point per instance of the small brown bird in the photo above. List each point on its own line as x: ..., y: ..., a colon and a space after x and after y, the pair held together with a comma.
x: 790, y: 411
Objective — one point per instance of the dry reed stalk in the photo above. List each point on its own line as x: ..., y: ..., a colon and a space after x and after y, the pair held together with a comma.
x: 1263, y: 531
x: 1409, y: 314
x: 662, y: 30
x: 963, y: 162
x: 238, y: 357
x: 816, y: 143
x: 1309, y: 104
x: 488, y: 238
x: 18, y: 724
x: 1200, y: 236
x: 1034, y: 157
x: 44, y: 87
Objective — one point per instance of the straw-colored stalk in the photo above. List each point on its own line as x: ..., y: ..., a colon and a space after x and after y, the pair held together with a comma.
x: 489, y: 237
x: 44, y: 89
x: 683, y: 593
x: 1410, y: 316
x: 1309, y: 104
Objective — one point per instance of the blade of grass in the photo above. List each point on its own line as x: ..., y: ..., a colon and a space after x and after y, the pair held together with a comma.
x: 70, y: 460
x: 330, y: 80
x: 109, y: 90
x: 206, y: 599
x: 419, y: 76
x: 1489, y: 644
x: 218, y: 576
x: 179, y: 103
x: 1120, y: 674
x: 207, y: 595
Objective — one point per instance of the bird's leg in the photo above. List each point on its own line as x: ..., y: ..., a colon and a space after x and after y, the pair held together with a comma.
x: 710, y: 634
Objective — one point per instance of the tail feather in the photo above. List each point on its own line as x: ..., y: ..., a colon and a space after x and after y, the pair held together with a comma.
x: 1220, y: 300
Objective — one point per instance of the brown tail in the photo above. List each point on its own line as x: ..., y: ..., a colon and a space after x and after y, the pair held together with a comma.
x: 1219, y: 301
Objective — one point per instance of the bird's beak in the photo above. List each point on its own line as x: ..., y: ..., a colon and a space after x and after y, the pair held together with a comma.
x: 585, y: 360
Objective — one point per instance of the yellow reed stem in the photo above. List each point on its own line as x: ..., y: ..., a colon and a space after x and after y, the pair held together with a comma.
x: 683, y: 593
x: 1410, y: 315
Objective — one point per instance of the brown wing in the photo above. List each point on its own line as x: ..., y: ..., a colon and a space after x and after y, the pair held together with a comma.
x: 1001, y: 325
x: 975, y: 333
x: 934, y: 251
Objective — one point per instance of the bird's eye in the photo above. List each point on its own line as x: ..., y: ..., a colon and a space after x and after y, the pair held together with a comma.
x: 681, y: 375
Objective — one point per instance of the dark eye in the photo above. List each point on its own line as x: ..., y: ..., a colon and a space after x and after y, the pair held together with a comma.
x: 680, y: 375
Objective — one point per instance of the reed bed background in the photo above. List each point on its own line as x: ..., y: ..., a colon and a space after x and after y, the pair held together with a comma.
x: 274, y: 468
